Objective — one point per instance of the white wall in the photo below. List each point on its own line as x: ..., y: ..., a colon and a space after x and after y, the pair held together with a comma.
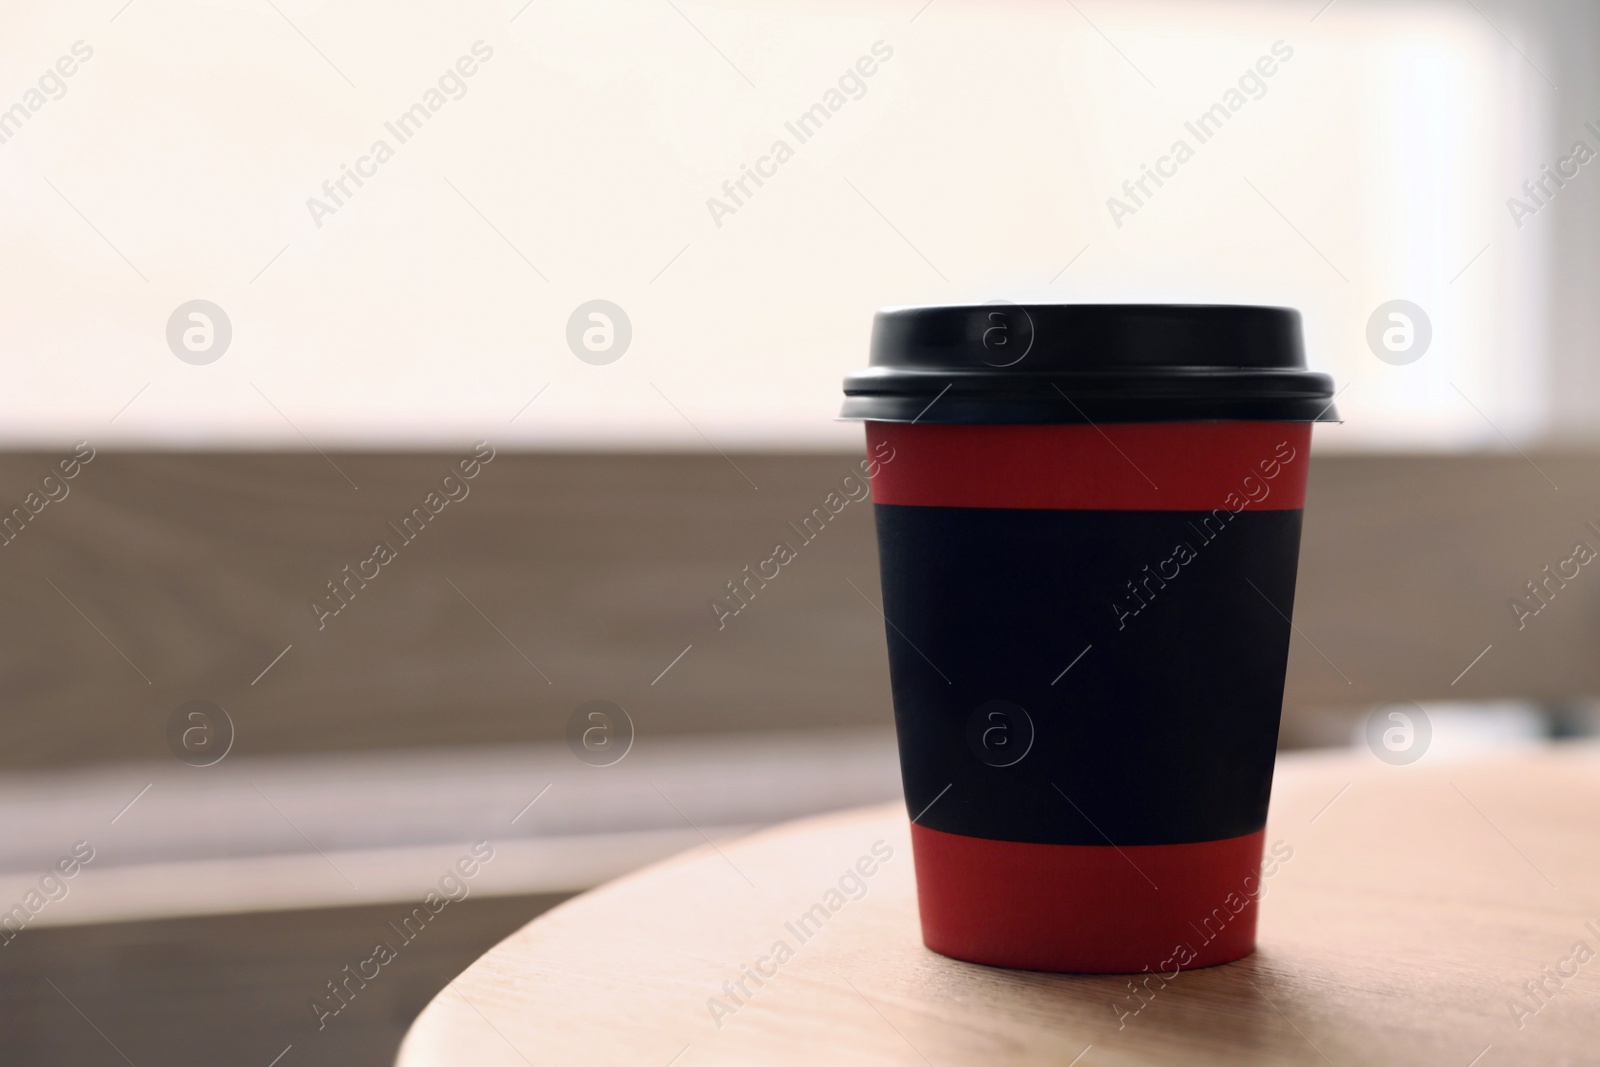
x: 977, y: 164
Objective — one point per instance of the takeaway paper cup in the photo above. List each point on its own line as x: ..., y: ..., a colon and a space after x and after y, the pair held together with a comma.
x: 1088, y: 530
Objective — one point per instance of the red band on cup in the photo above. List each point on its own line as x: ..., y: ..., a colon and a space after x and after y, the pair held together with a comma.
x: 1156, y: 466
x: 1089, y: 909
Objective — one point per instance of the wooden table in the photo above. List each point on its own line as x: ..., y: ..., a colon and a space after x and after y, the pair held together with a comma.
x: 1417, y: 903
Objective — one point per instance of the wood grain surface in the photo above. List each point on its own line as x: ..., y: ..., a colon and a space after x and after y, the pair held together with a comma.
x: 1417, y: 902
x: 167, y: 577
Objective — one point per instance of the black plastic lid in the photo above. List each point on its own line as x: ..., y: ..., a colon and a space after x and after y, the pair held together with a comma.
x: 1049, y: 363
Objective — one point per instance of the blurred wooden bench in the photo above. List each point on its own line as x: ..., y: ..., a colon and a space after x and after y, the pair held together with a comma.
x: 566, y: 578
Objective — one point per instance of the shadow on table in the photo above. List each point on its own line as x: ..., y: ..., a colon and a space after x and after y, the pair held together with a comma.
x: 235, y: 989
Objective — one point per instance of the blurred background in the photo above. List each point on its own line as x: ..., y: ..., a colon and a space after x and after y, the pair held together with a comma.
x: 554, y: 300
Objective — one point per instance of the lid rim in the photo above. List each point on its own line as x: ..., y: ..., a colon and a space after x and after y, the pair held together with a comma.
x: 964, y: 410
x: 1077, y: 363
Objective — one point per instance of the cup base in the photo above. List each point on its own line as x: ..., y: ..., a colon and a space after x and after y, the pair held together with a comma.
x: 1088, y: 909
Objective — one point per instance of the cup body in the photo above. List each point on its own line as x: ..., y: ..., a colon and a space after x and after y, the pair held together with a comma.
x: 1088, y: 626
